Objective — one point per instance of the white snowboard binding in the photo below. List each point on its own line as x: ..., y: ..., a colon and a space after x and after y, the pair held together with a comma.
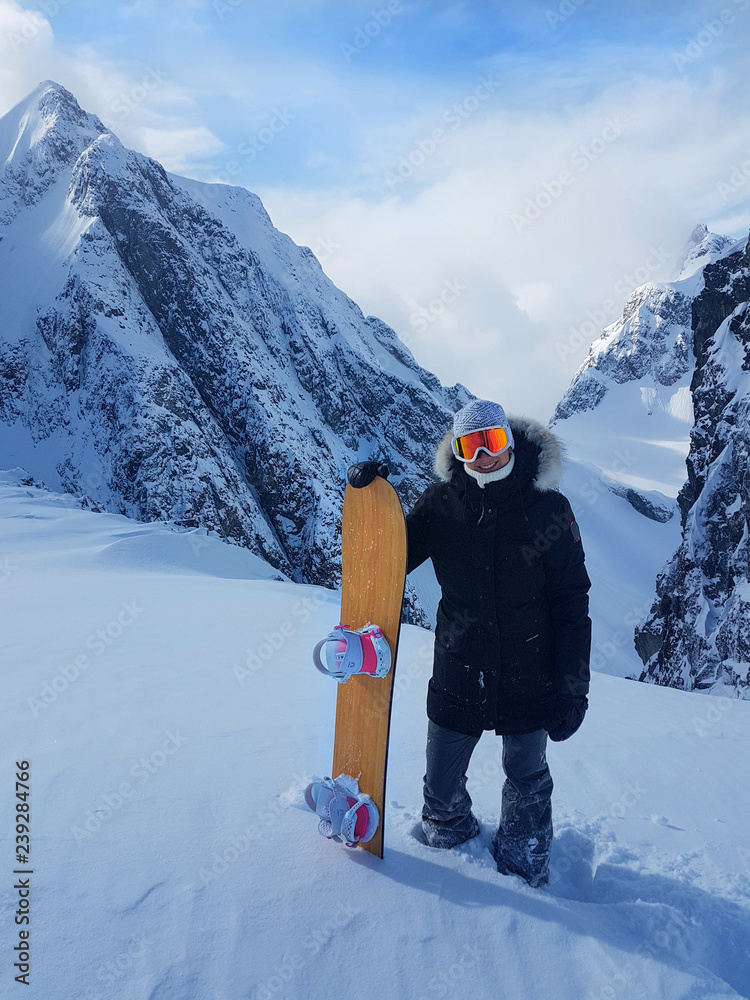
x: 347, y: 815
x: 348, y: 652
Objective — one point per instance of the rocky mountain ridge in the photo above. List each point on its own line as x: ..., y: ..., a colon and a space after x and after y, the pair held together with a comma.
x: 697, y: 635
x: 170, y: 355
x: 684, y: 347
x: 653, y: 339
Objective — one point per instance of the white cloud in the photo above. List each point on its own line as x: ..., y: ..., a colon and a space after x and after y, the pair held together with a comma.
x: 620, y: 180
x: 25, y: 46
x: 177, y: 148
x: 142, y: 104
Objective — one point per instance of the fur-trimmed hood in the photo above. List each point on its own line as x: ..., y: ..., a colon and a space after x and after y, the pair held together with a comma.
x: 551, y: 453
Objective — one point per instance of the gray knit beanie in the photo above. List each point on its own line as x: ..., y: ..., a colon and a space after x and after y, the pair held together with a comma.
x: 481, y: 413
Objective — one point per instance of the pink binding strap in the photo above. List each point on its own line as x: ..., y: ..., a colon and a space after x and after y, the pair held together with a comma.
x: 369, y: 657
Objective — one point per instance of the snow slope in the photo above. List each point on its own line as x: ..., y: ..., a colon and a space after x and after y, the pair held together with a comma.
x: 172, y: 853
x: 624, y: 552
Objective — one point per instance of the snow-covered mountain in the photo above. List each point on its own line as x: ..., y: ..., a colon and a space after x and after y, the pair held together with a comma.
x: 698, y: 632
x: 637, y: 377
x: 667, y: 384
x: 168, y: 354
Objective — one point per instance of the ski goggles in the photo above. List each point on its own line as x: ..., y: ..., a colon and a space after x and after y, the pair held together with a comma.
x: 494, y: 440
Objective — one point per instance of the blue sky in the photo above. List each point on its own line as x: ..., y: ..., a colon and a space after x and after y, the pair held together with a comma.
x: 237, y: 62
x: 411, y: 143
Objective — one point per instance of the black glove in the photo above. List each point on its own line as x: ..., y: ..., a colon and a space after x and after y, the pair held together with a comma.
x: 363, y: 473
x: 574, y: 709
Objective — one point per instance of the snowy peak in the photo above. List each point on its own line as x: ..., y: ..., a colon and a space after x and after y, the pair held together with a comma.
x: 703, y: 247
x: 51, y: 117
x: 650, y: 339
x: 170, y: 355
x: 672, y: 378
x: 650, y: 344
x: 40, y: 138
x: 653, y: 341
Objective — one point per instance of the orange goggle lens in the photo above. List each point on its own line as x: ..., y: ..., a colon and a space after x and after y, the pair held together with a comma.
x: 492, y: 439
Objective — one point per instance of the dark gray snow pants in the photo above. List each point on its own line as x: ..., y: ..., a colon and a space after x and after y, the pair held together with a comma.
x: 522, y: 842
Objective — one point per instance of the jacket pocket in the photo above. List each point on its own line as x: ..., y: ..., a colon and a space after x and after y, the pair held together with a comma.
x: 464, y: 683
x: 456, y: 629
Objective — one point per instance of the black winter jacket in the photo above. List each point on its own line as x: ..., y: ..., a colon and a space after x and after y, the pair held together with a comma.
x: 513, y: 635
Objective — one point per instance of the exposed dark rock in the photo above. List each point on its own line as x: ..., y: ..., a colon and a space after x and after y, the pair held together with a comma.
x: 651, y: 340
x: 193, y: 364
x: 697, y: 635
x: 651, y: 505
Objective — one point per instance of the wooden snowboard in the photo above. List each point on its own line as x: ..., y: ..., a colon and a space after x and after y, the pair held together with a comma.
x: 373, y: 576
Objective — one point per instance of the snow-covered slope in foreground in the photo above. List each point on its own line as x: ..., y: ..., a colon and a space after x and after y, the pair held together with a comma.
x: 163, y: 693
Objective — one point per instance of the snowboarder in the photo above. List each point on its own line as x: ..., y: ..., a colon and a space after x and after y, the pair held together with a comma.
x: 512, y: 637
